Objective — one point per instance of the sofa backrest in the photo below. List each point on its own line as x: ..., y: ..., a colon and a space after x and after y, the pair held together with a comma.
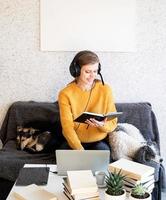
x: 46, y: 114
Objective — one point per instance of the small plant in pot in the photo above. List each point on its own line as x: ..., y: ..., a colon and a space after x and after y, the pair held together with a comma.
x: 114, y: 186
x: 139, y: 192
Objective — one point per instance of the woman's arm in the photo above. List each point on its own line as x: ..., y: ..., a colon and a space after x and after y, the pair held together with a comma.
x: 66, y: 118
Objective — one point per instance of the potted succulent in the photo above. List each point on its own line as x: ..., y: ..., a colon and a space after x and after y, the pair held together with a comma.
x: 139, y: 192
x: 114, y: 186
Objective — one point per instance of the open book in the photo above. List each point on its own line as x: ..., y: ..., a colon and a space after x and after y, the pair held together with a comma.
x: 100, y: 117
x: 33, y: 192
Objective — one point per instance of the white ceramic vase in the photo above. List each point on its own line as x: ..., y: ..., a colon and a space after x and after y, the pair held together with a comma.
x: 133, y: 198
x: 120, y: 197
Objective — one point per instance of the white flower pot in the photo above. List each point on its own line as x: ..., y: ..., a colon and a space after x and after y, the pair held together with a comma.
x: 133, y: 198
x: 120, y: 197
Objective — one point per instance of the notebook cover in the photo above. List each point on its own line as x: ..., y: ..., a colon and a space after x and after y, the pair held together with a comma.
x: 33, y: 175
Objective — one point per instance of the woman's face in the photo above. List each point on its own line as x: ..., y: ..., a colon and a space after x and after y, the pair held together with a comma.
x: 88, y: 73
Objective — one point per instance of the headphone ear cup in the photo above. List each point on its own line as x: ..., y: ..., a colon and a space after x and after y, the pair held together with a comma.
x: 78, y: 70
x: 74, y: 70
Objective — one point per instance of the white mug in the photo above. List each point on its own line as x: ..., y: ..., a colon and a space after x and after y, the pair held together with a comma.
x: 100, y: 178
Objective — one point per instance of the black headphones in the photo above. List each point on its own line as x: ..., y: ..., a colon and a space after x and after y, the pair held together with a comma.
x: 75, y: 69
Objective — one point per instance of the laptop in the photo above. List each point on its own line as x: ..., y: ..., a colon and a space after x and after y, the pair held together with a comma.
x: 95, y: 160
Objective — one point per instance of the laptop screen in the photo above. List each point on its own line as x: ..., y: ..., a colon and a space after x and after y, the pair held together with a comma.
x: 95, y: 160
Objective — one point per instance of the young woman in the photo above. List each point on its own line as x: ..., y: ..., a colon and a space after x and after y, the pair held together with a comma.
x: 86, y: 93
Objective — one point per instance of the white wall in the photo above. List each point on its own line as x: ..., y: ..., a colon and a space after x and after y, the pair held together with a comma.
x: 28, y: 74
x: 115, y: 18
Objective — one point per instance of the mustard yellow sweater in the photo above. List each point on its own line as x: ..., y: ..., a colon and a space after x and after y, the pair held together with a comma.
x: 73, y: 101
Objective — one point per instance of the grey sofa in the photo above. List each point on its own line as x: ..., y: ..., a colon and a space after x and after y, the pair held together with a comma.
x: 46, y: 114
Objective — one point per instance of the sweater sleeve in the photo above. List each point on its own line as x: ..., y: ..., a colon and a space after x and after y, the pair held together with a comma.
x: 66, y: 118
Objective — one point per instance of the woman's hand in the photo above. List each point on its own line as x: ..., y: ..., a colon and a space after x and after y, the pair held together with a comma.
x: 95, y: 123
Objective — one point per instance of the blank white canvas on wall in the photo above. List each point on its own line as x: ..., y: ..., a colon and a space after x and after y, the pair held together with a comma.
x: 98, y: 25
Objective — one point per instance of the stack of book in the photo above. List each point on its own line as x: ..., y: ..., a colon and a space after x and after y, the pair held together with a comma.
x: 79, y: 185
x: 135, y: 173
